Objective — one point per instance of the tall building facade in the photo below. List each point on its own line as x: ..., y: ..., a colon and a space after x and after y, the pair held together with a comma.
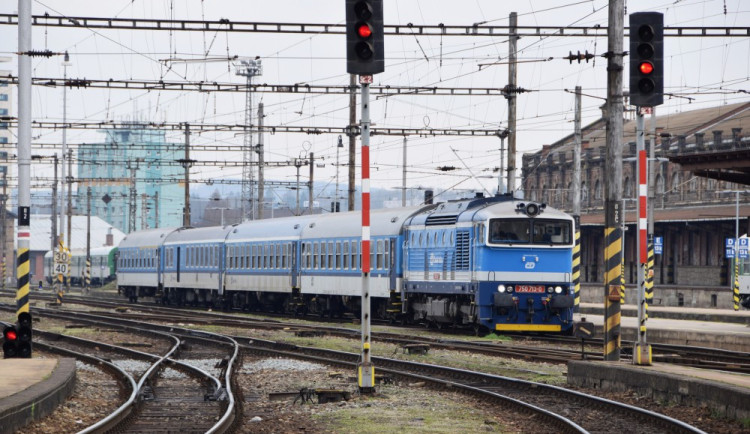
x: 136, y: 182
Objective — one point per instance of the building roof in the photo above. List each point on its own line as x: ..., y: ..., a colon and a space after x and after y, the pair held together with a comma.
x: 41, y: 225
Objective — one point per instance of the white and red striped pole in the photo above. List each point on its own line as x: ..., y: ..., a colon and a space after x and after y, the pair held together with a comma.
x: 642, y: 350
x: 642, y: 207
x: 366, y: 370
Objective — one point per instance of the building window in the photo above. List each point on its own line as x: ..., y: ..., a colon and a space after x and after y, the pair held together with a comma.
x: 3, y: 111
x: 3, y: 97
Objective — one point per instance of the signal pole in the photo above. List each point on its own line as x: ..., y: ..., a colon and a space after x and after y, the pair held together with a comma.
x: 24, y: 157
x: 577, y: 200
x: 613, y: 185
x: 366, y: 368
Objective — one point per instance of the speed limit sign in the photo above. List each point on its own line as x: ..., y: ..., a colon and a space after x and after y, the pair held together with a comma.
x: 61, y: 268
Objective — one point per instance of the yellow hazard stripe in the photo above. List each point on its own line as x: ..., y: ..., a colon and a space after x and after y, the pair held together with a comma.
x: 22, y: 273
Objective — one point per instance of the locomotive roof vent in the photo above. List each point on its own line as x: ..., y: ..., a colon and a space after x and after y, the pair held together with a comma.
x: 531, y: 209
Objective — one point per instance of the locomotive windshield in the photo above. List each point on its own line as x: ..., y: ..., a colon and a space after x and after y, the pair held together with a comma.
x: 530, y: 231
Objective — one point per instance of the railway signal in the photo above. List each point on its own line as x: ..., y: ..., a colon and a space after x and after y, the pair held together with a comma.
x: 17, y: 338
x: 365, y: 54
x: 10, y: 342
x: 646, y: 59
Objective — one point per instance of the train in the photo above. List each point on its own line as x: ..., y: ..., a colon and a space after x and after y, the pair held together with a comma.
x: 495, y: 263
x: 103, y: 263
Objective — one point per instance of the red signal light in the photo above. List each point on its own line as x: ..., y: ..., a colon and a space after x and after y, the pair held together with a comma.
x: 364, y: 30
x: 11, y: 335
x: 646, y: 67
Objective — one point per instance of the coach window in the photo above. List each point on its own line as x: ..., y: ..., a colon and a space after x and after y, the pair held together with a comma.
x: 380, y: 256
x: 338, y: 255
x: 247, y: 256
x: 330, y: 255
x: 315, y: 253
x: 265, y: 256
x: 322, y: 255
x: 372, y: 254
x: 345, y: 253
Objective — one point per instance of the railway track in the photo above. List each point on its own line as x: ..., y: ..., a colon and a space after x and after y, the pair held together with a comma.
x: 704, y: 358
x: 549, y: 406
x: 171, y: 383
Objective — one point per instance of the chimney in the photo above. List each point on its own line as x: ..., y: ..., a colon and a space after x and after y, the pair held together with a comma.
x: 717, y: 139
x: 110, y: 238
x: 699, y: 143
x: 736, y: 137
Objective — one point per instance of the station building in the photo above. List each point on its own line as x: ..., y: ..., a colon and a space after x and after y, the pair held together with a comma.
x: 703, y: 160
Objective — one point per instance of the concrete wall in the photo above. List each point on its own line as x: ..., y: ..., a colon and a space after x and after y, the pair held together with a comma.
x: 711, y: 297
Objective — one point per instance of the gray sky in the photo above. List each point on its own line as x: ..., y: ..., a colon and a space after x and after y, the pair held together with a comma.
x: 706, y: 69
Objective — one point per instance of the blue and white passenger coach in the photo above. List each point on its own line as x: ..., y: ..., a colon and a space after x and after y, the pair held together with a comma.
x: 493, y: 262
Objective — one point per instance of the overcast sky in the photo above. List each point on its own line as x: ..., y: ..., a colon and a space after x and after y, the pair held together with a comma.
x: 709, y: 70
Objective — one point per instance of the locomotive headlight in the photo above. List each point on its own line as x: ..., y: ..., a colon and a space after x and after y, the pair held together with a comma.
x: 558, y: 289
x: 500, y: 288
x: 509, y: 288
x: 550, y: 289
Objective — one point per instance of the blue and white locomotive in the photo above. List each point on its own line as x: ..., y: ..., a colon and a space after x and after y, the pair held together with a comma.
x: 496, y: 263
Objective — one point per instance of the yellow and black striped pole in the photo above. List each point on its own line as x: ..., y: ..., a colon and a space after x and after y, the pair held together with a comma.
x: 622, y: 279
x: 612, y: 277
x: 736, y: 286
x: 649, y: 284
x: 22, y: 273
x: 577, y: 265
x: 60, y: 276
x: 87, y: 283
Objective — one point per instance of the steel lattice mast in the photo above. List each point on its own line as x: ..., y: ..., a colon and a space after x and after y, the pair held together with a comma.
x: 248, y: 68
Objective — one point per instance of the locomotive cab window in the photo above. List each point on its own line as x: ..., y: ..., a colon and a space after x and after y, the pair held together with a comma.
x: 525, y: 231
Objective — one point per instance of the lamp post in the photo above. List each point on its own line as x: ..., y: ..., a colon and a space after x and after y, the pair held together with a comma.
x: 222, y: 212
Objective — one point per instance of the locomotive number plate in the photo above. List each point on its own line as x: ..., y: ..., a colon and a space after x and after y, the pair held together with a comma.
x: 530, y: 288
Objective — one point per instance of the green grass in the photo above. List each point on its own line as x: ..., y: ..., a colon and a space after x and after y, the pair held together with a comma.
x: 407, y: 410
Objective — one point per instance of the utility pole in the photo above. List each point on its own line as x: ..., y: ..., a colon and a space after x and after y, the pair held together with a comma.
x: 132, y: 197
x: 297, y: 164
x: 156, y: 209
x: 403, y: 176
x: 352, y: 138
x: 70, y: 198
x: 24, y: 157
x: 310, y: 190
x: 337, y: 205
x: 63, y: 177
x: 261, y: 162
x: 54, y: 209
x: 144, y: 211
x: 87, y: 283
x: 577, y: 200
x: 3, y: 217
x: 186, y: 164
x: 613, y: 184
x: 511, y: 96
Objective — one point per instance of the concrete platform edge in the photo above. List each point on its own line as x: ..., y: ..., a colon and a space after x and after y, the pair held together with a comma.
x: 730, y: 401
x: 40, y: 399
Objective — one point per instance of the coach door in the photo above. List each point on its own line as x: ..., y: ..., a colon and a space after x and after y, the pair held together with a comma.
x: 392, y: 264
x: 295, y: 266
x: 178, y: 263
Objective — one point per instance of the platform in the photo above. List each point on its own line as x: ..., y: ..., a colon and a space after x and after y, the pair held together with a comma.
x: 32, y: 388
x: 726, y: 393
x: 711, y: 328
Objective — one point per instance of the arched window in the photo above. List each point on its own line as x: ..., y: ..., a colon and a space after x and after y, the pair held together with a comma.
x: 598, y: 190
x: 659, y: 184
x: 693, y: 184
x: 627, y: 188
x: 584, y: 194
x: 675, y: 185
